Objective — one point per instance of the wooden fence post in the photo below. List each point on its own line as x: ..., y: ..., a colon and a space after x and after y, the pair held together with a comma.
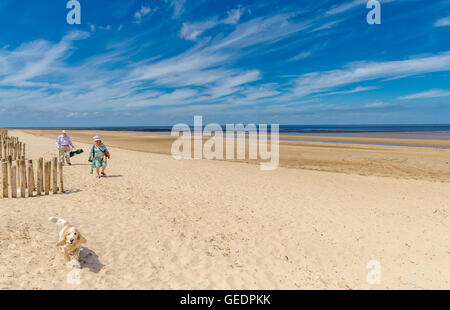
x: 30, y: 180
x: 23, y: 174
x: 25, y: 164
x: 55, y: 175
x: 61, y: 177
x: 47, y: 178
x: 5, y: 179
x: 30, y: 162
x: 18, y: 173
x: 13, y: 182
x: 39, y: 178
x: 41, y: 169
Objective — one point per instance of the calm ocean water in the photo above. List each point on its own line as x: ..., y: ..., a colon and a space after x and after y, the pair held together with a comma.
x: 384, y: 130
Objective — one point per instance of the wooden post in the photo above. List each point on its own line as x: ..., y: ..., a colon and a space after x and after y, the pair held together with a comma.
x: 44, y: 188
x: 30, y: 163
x: 41, y: 169
x: 22, y: 162
x: 30, y: 181
x: 39, y: 178
x: 5, y: 179
x: 61, y: 177
x: 13, y: 182
x: 23, y: 174
x: 55, y: 175
x: 47, y: 178
x: 18, y: 173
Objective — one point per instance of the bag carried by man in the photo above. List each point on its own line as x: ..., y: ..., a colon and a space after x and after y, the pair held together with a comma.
x: 73, y: 153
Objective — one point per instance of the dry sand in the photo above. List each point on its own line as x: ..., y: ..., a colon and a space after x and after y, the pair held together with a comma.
x: 397, y: 162
x: 158, y: 223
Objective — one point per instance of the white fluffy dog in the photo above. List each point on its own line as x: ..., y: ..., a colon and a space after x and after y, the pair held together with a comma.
x: 70, y: 239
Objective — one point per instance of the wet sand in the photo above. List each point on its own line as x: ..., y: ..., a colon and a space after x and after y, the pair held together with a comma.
x: 393, y: 161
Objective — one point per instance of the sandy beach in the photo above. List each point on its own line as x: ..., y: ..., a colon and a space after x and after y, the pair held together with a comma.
x: 159, y: 223
x: 418, y: 163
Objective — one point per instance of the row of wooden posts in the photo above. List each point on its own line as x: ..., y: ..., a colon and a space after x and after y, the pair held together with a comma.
x: 18, y: 177
x: 10, y: 146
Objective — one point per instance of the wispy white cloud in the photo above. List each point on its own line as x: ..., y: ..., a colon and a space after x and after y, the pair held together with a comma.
x: 376, y: 104
x: 232, y: 84
x: 189, y: 63
x: 76, y: 114
x: 207, y: 65
x: 107, y: 27
x: 300, y: 56
x: 327, y: 25
x: 36, y: 59
x: 178, y: 7
x: 352, y: 4
x: 365, y: 71
x: 197, y: 68
x: 341, y: 8
x: 139, y: 15
x: 199, y: 75
x: 234, y: 16
x: 261, y: 30
x: 346, y: 92
x: 190, y: 31
x: 433, y: 93
x: 203, y: 77
x: 442, y: 22
x: 260, y: 92
x: 176, y: 97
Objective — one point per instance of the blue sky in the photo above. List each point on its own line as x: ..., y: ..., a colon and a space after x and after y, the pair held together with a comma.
x: 160, y: 62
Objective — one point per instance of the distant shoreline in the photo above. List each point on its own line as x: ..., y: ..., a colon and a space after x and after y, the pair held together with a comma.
x: 439, y: 129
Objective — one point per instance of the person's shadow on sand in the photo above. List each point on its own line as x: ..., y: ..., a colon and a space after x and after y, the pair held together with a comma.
x: 88, y: 259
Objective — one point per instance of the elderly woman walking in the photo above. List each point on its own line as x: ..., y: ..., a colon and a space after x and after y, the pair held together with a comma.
x: 99, y: 157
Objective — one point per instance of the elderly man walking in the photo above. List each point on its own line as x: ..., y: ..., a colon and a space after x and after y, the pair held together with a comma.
x: 63, y: 143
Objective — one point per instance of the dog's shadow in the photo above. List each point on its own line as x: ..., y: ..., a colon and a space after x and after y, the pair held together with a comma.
x: 88, y: 259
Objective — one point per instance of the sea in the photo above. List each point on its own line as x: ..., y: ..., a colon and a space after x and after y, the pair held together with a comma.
x: 382, y: 130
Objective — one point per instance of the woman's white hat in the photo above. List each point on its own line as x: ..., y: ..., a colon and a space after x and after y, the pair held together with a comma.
x: 63, y: 131
x: 96, y: 138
